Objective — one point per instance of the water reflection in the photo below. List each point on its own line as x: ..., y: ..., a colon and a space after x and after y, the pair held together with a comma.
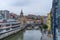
x: 17, y: 36
x: 32, y: 35
x: 26, y: 35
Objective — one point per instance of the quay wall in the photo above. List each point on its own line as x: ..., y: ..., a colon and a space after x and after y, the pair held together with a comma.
x: 10, y: 33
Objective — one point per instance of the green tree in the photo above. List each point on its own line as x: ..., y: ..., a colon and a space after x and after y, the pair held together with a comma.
x: 33, y: 18
x: 45, y: 26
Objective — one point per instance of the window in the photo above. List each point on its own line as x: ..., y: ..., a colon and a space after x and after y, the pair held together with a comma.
x: 8, y: 25
x: 1, y: 30
x: 0, y: 17
x: 56, y: 1
x: 8, y: 29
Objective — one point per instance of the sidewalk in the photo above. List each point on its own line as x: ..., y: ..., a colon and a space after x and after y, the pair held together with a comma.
x: 49, y: 38
x: 46, y: 37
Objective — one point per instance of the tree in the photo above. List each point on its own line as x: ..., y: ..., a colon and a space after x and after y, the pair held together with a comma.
x: 45, y: 26
x: 33, y: 18
x: 41, y: 28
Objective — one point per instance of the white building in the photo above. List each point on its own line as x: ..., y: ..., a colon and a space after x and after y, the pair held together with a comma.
x: 44, y: 19
x: 5, y: 14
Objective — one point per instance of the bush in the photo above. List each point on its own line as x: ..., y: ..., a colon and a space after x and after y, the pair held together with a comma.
x: 45, y: 26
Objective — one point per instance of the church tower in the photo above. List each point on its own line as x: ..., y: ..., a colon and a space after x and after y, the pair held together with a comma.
x: 21, y: 14
x: 21, y: 18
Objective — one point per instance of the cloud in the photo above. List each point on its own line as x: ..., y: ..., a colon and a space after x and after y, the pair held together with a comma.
x: 37, y: 7
x: 20, y: 3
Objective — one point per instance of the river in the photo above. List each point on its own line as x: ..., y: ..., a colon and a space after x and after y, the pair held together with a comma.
x: 25, y: 35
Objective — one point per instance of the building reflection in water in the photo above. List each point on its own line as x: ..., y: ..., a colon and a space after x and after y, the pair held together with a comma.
x: 17, y: 36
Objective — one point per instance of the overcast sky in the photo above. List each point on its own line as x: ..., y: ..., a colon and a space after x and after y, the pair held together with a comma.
x: 36, y: 7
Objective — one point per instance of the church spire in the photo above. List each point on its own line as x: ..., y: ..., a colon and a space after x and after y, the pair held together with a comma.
x: 21, y: 14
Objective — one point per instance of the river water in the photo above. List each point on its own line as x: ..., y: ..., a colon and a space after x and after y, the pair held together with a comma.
x: 26, y: 35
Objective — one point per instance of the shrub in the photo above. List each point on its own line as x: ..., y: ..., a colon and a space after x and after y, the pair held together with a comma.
x: 45, y: 26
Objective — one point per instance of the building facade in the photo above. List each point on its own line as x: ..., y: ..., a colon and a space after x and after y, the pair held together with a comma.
x: 44, y: 19
x: 5, y: 14
x: 36, y: 19
x: 48, y: 21
x: 22, y: 18
x: 59, y: 22
x: 55, y: 12
x: 14, y: 16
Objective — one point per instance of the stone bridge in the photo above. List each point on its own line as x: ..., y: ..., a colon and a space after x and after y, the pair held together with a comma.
x: 32, y: 25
